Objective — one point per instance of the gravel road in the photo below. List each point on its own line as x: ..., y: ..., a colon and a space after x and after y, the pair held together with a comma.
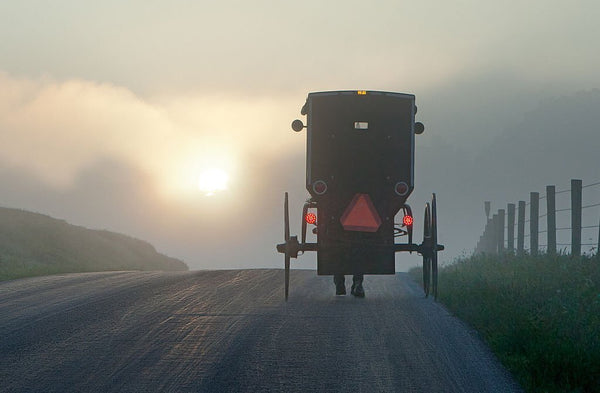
x: 230, y: 331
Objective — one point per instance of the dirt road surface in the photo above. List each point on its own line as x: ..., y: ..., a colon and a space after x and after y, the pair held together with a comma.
x: 232, y: 331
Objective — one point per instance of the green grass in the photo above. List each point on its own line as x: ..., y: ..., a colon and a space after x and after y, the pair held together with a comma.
x: 11, y: 272
x: 540, y: 315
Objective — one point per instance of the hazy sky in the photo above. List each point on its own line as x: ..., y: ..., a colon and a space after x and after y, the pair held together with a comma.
x: 109, y: 111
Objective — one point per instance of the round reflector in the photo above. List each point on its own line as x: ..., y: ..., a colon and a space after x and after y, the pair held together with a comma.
x: 319, y: 187
x: 401, y: 188
x: 297, y: 125
x: 407, y: 220
x: 419, y: 128
x: 311, y: 218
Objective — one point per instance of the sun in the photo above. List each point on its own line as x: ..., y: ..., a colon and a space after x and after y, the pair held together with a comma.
x: 212, y: 181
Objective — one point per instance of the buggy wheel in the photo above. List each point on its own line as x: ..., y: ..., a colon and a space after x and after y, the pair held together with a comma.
x: 426, y: 274
x: 434, y: 254
x: 286, y: 237
x: 426, y: 257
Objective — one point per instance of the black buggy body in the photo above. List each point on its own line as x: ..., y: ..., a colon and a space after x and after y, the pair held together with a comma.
x: 359, y: 174
x: 360, y: 145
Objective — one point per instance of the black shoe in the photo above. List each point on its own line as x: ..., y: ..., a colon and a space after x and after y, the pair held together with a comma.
x: 357, y: 290
x: 340, y: 289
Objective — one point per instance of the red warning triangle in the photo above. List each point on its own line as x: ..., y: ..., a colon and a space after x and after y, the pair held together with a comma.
x: 360, y: 215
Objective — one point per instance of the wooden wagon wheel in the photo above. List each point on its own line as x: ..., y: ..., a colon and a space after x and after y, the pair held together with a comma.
x: 434, y: 253
x: 286, y: 237
x: 426, y: 255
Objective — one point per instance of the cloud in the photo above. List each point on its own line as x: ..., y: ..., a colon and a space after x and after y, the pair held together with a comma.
x: 100, y: 156
x: 55, y: 129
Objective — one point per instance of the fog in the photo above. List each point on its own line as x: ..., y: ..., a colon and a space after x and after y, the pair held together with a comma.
x: 108, y: 112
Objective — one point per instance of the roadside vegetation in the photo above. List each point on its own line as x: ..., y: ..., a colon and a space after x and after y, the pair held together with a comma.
x: 539, y: 314
x: 33, y: 244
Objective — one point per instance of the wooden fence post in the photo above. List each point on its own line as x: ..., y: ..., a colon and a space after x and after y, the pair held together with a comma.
x: 551, y: 218
x: 534, y: 217
x: 500, y: 229
x: 478, y: 246
x: 598, y: 246
x: 485, y: 246
x: 494, y: 234
x: 484, y: 241
x: 484, y: 238
x: 521, y: 229
x: 510, y: 232
x: 491, y: 236
x: 576, y: 186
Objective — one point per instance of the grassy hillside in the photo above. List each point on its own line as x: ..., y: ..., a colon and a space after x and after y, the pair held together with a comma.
x: 540, y: 315
x: 34, y: 244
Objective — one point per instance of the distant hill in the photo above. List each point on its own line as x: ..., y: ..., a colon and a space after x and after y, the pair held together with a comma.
x: 35, y: 244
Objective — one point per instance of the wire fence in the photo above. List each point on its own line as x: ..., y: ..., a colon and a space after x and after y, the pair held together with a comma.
x: 578, y: 233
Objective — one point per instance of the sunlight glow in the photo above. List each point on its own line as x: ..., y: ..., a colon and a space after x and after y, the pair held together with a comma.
x: 213, y: 180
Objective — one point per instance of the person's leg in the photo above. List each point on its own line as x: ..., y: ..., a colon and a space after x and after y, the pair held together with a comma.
x: 357, y: 288
x: 340, y: 284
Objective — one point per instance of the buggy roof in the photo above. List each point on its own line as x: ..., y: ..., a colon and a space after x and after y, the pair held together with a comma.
x: 361, y: 92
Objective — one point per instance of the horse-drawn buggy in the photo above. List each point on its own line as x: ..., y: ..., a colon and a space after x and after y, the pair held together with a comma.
x: 360, y: 153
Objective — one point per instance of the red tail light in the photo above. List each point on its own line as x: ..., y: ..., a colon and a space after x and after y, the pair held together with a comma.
x: 311, y: 218
x: 407, y: 220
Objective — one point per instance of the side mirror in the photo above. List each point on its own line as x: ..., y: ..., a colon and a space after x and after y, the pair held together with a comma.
x: 419, y: 128
x: 297, y: 125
